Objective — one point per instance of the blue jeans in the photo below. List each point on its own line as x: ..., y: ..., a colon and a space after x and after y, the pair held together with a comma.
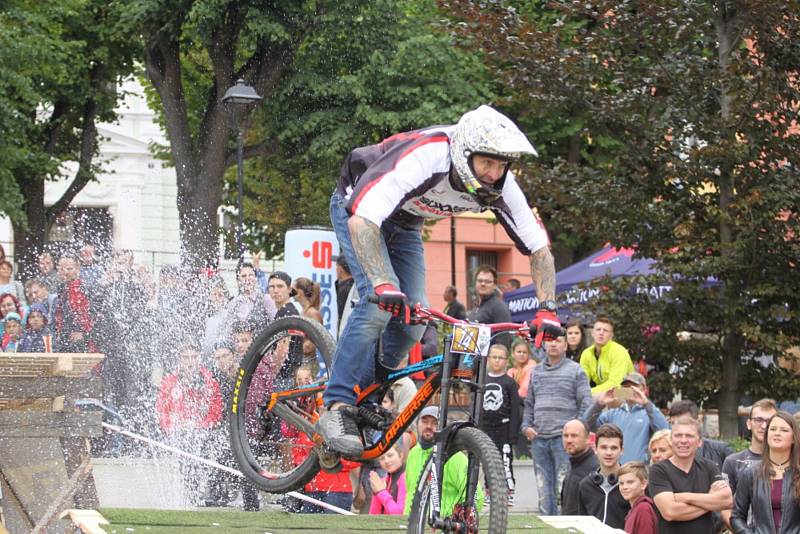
x: 353, y: 361
x: 551, y: 463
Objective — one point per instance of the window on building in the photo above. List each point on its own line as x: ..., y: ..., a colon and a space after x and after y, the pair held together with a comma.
x: 75, y: 227
x: 476, y: 258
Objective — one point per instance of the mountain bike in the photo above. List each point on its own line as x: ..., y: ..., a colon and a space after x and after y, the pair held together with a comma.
x: 277, y: 448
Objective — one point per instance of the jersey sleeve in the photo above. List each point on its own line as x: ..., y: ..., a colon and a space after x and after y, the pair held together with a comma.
x: 397, y: 176
x: 527, y: 232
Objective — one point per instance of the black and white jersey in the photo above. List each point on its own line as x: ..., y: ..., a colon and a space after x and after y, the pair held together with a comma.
x: 406, y: 179
x: 501, y: 408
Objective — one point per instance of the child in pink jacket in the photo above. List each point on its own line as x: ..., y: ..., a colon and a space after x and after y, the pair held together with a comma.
x: 389, y: 494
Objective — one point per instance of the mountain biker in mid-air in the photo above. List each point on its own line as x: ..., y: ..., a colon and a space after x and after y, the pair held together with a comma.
x: 384, y: 194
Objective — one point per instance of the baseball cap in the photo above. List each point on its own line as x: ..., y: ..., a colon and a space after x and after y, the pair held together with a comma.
x: 432, y: 411
x: 635, y: 378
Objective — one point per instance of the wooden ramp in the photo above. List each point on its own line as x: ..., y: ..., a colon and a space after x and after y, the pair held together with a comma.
x: 43, y: 437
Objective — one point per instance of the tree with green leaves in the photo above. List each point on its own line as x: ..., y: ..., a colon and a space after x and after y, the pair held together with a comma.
x: 331, y: 74
x: 352, y: 89
x: 60, y: 66
x: 685, y: 117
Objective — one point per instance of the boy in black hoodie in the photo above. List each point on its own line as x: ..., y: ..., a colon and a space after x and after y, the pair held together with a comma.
x: 598, y: 492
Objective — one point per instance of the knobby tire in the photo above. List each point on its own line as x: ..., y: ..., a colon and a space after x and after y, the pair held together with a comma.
x: 472, y: 442
x: 242, y: 430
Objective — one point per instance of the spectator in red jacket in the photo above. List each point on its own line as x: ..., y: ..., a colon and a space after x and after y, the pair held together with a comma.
x: 189, y: 406
x: 189, y: 398
x: 330, y: 488
x: 74, y: 319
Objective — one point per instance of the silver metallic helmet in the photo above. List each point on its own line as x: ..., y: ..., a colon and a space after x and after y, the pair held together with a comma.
x: 485, y: 131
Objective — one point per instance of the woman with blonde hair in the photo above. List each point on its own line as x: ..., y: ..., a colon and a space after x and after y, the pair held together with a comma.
x: 660, y: 446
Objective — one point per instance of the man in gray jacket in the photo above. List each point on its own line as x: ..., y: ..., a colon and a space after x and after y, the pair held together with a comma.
x: 558, y: 392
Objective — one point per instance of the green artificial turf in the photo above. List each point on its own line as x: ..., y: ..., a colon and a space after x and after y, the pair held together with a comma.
x: 127, y: 520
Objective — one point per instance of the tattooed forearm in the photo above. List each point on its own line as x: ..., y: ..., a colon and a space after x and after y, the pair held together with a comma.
x: 366, y: 237
x: 543, y: 272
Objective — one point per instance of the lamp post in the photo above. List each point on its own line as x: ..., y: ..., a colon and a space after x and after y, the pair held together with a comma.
x: 238, y: 101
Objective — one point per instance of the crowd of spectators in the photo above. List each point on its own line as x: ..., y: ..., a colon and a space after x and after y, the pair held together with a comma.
x: 171, y: 344
x: 599, y: 444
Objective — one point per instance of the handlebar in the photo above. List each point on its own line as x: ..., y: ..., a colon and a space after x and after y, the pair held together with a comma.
x: 421, y: 313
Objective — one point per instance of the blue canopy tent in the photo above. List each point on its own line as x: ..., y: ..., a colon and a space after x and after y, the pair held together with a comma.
x: 608, y: 261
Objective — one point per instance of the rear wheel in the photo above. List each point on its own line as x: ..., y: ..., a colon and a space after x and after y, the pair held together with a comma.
x: 267, y: 439
x: 479, y: 452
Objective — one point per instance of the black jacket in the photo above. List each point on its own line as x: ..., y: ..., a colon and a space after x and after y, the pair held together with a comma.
x: 714, y: 450
x: 602, y: 499
x: 580, y: 466
x: 492, y: 309
x: 456, y: 309
x: 753, y: 492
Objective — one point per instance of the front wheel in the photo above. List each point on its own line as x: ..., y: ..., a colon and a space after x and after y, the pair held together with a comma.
x: 267, y: 435
x: 470, y: 455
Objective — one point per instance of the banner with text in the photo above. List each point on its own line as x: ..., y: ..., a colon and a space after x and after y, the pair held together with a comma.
x: 310, y: 252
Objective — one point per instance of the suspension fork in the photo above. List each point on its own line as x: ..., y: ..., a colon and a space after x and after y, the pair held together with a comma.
x: 473, y: 467
x: 439, y: 445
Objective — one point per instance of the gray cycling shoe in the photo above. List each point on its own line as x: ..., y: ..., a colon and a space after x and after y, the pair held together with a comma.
x: 339, y: 430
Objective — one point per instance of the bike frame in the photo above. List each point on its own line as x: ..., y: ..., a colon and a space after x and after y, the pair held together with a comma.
x: 441, y: 380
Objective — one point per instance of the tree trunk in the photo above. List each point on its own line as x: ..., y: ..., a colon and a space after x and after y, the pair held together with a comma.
x: 199, y: 199
x: 726, y: 23
x: 29, y: 241
x: 729, y: 395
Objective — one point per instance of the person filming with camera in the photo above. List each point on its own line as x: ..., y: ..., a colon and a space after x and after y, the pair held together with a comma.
x: 629, y: 408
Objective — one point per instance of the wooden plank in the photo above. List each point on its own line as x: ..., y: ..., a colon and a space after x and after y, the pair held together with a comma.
x: 88, y: 521
x: 50, y: 424
x: 47, y: 364
x: 52, y: 513
x: 62, y: 366
x: 58, y: 404
x: 40, y: 405
x: 17, y: 387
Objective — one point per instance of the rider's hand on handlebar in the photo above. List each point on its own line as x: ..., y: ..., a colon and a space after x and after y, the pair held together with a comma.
x: 548, y: 327
x: 393, y: 300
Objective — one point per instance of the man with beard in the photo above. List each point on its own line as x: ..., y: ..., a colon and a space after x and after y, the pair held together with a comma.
x: 760, y: 414
x: 582, y: 460
x: 558, y: 392
x: 455, y: 470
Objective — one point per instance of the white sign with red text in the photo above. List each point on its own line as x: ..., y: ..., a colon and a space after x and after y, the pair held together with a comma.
x: 310, y: 252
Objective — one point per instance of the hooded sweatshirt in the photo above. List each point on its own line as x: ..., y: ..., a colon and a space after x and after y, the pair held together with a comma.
x: 601, y: 498
x: 642, y: 518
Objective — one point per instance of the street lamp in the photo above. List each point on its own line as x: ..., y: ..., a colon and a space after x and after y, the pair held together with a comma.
x: 238, y: 101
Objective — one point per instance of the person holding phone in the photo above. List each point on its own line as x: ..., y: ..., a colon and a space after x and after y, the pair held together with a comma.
x: 629, y: 408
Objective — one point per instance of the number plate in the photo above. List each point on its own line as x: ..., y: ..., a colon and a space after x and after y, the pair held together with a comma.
x: 471, y: 339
